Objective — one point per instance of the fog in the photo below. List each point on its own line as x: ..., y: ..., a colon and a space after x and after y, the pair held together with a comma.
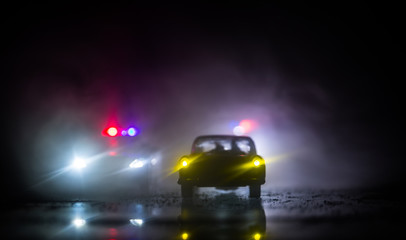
x: 173, y: 108
x: 176, y: 80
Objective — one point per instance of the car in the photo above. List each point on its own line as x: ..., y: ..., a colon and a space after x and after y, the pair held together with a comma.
x: 222, y: 161
x: 120, y: 165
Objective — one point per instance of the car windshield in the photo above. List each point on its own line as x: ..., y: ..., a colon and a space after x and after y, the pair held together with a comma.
x: 223, y: 145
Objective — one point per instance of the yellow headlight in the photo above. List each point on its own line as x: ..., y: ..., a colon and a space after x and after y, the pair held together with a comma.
x: 257, y: 161
x: 183, y: 162
x: 257, y: 236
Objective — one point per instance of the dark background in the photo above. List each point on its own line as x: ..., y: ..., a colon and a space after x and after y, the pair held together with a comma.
x: 334, y: 69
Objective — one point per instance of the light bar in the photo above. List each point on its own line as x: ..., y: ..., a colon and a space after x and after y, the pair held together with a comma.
x: 114, y: 131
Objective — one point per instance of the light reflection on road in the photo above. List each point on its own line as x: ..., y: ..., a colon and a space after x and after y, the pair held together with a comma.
x: 218, y: 215
x: 147, y: 218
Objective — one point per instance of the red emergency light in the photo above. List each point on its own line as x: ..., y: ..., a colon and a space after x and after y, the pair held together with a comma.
x: 113, y: 131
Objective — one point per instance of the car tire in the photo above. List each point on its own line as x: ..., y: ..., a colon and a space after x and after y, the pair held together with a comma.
x: 255, y: 191
x: 186, y: 190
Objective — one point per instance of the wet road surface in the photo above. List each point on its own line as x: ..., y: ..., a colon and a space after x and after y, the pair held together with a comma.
x: 212, y: 214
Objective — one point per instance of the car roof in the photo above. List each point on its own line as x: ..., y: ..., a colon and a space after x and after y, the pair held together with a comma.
x: 222, y: 136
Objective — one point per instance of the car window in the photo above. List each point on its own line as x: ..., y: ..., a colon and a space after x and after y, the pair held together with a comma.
x: 228, y: 145
x: 244, y: 145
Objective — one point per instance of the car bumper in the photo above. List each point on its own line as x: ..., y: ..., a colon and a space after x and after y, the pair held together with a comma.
x: 222, y: 178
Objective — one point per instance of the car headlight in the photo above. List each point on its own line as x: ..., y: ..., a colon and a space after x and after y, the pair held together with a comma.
x: 184, y: 162
x: 136, y: 164
x: 256, y: 236
x: 257, y: 161
x: 78, y: 222
x: 136, y: 222
x: 154, y: 161
x: 79, y: 163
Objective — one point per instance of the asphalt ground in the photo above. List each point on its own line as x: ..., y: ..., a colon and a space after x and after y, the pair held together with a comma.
x: 213, y: 214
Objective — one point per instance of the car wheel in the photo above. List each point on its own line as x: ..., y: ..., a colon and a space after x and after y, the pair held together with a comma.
x: 186, y: 190
x: 255, y: 191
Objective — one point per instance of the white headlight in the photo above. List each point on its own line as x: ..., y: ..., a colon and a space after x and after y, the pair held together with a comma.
x: 136, y: 222
x: 136, y: 164
x: 79, y: 163
x: 79, y: 222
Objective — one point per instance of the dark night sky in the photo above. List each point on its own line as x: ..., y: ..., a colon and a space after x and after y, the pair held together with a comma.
x: 335, y: 65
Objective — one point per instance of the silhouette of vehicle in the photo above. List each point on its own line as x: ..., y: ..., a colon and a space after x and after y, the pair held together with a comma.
x: 222, y: 161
